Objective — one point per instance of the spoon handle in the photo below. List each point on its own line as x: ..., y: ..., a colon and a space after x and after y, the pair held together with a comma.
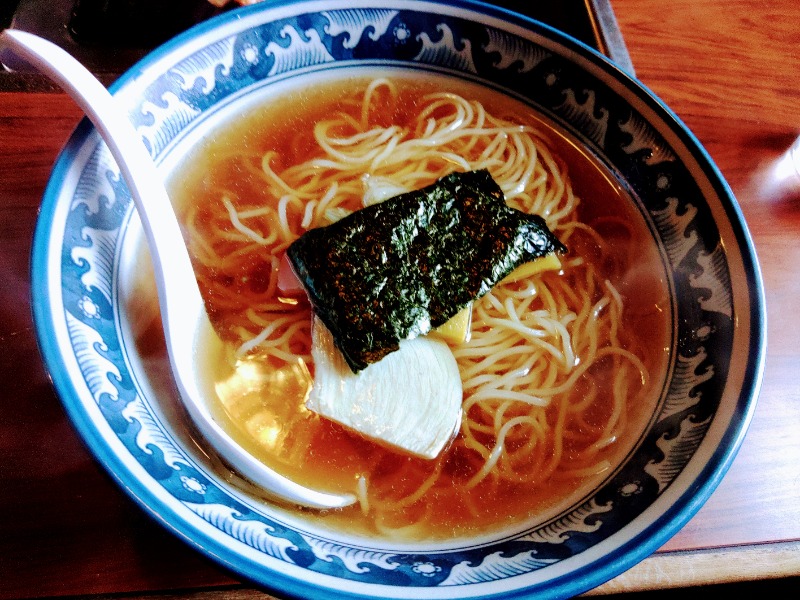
x: 170, y: 256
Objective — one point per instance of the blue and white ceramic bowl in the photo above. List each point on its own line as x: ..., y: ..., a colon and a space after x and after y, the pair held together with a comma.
x: 86, y: 230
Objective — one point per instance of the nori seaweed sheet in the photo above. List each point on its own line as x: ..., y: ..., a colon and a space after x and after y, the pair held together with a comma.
x: 396, y: 270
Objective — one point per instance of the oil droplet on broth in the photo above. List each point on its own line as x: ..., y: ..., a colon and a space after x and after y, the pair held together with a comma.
x: 242, y: 394
x: 259, y: 405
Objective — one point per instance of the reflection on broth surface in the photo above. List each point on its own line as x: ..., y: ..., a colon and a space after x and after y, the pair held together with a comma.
x: 562, y: 369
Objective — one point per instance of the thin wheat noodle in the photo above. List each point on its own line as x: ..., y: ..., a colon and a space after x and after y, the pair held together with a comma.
x: 526, y: 371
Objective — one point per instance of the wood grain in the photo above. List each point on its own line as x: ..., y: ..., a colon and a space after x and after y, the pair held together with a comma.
x: 730, y: 71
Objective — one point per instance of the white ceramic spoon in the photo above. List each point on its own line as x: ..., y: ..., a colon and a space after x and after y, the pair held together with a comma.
x: 182, y: 308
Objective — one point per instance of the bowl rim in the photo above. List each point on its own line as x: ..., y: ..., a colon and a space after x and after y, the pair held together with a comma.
x: 586, y: 577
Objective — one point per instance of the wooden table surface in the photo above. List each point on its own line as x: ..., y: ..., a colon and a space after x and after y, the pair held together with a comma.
x: 730, y: 69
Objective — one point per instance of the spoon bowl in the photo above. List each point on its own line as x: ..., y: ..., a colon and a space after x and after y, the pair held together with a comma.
x: 183, y: 312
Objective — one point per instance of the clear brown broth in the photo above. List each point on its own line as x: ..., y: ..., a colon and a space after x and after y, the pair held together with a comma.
x: 324, y: 455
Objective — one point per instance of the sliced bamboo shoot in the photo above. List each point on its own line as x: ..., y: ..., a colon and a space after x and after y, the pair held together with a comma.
x: 410, y: 399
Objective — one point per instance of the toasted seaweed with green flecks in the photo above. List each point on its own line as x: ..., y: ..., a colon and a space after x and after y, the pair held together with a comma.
x: 398, y: 269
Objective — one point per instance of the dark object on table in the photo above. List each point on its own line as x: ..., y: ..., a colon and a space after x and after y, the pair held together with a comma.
x: 135, y: 23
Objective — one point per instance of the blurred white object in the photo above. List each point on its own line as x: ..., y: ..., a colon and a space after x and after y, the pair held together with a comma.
x: 783, y: 177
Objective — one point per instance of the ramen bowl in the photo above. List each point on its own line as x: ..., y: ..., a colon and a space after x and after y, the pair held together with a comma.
x: 87, y: 265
